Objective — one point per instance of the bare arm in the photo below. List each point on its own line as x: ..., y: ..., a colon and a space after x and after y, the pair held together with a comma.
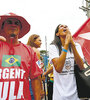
x: 59, y: 62
x: 2, y: 38
x: 77, y: 57
x: 48, y: 71
x: 36, y: 88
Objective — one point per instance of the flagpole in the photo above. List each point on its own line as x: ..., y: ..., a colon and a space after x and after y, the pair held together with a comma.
x: 46, y: 44
x: 45, y: 66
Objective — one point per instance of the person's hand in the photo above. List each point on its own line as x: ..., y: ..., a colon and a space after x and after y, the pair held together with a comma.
x: 2, y: 38
x: 72, y: 42
x: 68, y: 37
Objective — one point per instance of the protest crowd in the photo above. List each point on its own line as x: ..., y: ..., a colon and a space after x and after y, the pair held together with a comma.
x: 27, y: 74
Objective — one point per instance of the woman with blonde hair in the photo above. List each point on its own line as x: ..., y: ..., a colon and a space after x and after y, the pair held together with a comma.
x: 35, y: 42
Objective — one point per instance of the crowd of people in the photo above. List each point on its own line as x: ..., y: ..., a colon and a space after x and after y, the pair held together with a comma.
x: 21, y: 70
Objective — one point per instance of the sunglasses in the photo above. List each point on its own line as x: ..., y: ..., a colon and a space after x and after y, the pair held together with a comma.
x: 11, y: 21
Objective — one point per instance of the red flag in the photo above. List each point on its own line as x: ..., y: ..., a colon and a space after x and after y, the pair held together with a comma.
x: 82, y: 36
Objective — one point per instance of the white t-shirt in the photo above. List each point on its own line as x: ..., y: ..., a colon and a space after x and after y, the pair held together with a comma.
x: 64, y: 82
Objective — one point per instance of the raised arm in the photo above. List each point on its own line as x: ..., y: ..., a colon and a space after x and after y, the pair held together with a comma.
x: 77, y: 57
x: 59, y: 61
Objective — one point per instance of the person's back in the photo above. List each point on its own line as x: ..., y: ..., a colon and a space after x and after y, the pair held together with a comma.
x: 37, y: 52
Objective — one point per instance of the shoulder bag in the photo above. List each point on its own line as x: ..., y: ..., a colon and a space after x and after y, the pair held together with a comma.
x: 82, y: 81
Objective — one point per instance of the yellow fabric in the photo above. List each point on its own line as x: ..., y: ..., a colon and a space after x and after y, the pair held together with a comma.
x: 51, y: 74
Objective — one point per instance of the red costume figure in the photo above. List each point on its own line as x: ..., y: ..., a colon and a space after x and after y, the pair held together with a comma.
x: 18, y: 62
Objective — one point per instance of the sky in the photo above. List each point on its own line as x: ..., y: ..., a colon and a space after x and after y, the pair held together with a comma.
x: 45, y: 15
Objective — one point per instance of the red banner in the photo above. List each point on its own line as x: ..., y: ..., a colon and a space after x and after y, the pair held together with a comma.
x: 82, y: 36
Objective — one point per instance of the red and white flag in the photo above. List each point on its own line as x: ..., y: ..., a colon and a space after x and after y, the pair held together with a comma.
x: 82, y: 36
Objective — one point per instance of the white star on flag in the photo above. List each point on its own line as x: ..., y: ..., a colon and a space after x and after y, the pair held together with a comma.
x: 85, y: 35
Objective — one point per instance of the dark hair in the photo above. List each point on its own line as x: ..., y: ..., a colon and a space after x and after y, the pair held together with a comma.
x: 57, y: 41
x: 32, y: 39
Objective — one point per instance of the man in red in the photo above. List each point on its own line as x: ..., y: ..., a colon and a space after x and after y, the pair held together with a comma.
x: 17, y: 61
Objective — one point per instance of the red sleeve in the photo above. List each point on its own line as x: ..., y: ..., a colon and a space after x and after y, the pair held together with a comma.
x: 34, y: 69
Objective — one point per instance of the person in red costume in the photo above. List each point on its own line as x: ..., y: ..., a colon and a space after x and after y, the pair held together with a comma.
x: 18, y: 62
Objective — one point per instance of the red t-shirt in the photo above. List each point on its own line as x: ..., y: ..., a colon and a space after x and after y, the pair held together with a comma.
x: 17, y: 64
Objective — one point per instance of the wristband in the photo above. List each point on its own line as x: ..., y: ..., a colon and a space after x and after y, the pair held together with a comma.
x: 64, y: 50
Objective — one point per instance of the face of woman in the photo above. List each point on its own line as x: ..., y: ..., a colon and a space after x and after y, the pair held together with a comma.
x: 38, y: 42
x: 62, y: 30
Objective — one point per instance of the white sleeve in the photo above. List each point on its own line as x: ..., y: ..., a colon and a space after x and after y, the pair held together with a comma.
x: 78, y: 47
x: 53, y: 52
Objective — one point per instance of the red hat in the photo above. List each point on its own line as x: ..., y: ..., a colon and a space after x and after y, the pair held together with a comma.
x: 25, y: 25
